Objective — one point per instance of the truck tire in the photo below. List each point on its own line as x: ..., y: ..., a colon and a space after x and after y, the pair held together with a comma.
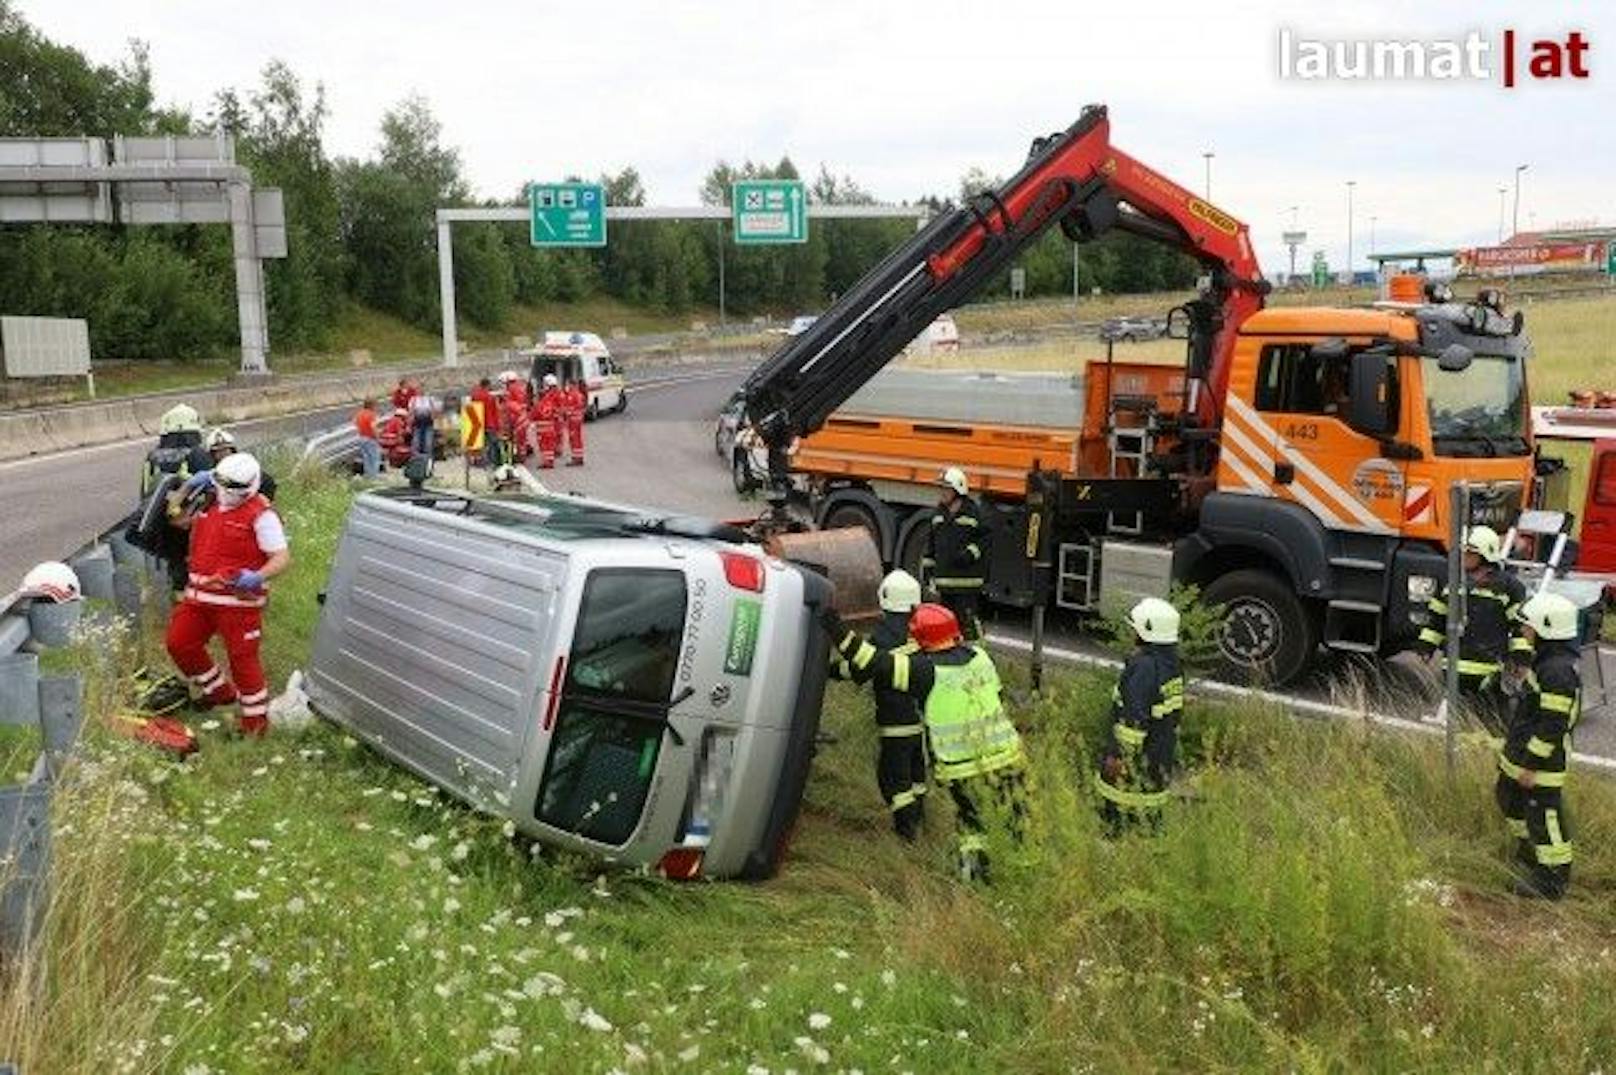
x: 912, y: 546
x: 848, y: 514
x: 1269, y: 635
x: 740, y: 473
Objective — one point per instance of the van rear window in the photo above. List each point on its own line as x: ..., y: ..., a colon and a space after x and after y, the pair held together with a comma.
x: 613, y: 710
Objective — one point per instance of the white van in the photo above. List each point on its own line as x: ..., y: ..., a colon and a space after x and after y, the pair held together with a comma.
x: 581, y: 356
x: 643, y: 688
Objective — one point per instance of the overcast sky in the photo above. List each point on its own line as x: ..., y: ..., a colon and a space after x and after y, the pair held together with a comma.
x: 906, y: 96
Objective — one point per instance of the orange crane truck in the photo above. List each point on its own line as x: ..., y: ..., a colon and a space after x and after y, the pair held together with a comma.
x: 1295, y: 468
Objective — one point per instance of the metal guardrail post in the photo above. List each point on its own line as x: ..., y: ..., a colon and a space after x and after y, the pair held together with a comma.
x: 24, y: 860
x: 1458, y: 521
x: 61, y: 716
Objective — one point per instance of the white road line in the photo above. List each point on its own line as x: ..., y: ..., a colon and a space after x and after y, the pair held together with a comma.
x: 1324, y: 710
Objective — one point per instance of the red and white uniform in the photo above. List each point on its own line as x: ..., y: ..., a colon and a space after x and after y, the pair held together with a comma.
x: 575, y: 402
x: 546, y: 425
x: 224, y: 543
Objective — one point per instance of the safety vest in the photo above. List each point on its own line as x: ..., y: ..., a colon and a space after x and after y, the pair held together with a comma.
x: 223, y: 543
x: 965, y: 721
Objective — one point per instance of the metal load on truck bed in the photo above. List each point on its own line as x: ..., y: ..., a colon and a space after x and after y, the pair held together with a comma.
x: 907, y: 425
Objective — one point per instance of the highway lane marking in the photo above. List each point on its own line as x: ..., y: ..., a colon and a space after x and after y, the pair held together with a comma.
x: 1325, y: 710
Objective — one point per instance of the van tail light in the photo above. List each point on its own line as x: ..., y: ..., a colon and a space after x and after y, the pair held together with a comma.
x: 554, y: 701
x: 742, y: 571
x: 681, y: 863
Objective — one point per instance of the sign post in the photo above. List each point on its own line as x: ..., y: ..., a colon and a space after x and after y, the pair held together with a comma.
x: 769, y: 211
x: 566, y: 214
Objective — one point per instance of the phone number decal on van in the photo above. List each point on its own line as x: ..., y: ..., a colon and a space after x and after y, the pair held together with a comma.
x: 743, y: 635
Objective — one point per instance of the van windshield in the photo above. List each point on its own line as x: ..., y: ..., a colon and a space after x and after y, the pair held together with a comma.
x: 613, y: 711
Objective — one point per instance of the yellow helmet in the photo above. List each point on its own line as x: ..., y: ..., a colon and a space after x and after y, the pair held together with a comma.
x: 1551, y: 616
x: 1484, y: 542
x: 180, y: 418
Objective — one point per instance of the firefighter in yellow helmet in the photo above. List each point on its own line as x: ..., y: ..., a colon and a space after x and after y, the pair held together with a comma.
x: 957, y: 555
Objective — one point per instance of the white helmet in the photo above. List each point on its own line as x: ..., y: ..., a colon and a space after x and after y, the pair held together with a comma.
x: 1484, y: 542
x: 219, y: 437
x: 53, y: 580
x: 180, y: 418
x: 954, y: 478
x: 237, y: 477
x: 1551, y: 616
x: 550, y: 380
x: 1154, y: 620
x: 507, y: 376
x: 899, y: 592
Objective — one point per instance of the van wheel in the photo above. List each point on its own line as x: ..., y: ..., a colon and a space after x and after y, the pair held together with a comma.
x: 914, y: 546
x: 1268, y: 635
x: 592, y: 411
x: 622, y: 402
x: 740, y: 473
x: 849, y: 514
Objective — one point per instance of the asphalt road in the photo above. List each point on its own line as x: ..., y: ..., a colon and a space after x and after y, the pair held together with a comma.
x: 659, y: 453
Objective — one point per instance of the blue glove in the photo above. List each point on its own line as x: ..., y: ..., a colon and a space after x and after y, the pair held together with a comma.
x: 197, y: 481
x: 248, y: 582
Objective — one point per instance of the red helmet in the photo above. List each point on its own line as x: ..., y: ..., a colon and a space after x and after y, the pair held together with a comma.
x: 934, y: 627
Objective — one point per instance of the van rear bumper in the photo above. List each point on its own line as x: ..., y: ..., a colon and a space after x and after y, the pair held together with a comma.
x: 801, y: 740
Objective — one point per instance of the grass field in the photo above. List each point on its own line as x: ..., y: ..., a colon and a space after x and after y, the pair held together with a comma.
x: 1323, y: 899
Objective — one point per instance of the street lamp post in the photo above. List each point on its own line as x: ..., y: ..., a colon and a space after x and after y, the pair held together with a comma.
x: 1350, y: 184
x: 1502, y: 190
x: 1515, y: 219
x: 1208, y: 157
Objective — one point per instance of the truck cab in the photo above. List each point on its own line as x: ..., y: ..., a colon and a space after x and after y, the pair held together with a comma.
x: 1342, y: 431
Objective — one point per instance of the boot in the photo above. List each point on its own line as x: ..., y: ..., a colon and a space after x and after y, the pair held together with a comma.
x: 1542, y: 883
x: 252, y: 727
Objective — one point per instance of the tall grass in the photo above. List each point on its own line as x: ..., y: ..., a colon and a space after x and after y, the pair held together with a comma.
x: 1320, y: 898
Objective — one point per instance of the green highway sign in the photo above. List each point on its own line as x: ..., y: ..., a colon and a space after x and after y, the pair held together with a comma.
x: 567, y: 214
x: 769, y: 211
x: 1610, y: 258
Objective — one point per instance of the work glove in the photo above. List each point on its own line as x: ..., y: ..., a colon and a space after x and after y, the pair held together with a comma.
x: 248, y: 582
x: 832, y: 623
x: 200, y: 480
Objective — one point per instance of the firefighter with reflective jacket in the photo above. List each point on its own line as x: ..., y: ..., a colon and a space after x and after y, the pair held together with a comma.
x: 1146, y: 704
x: 975, y: 751
x: 957, y: 556
x: 237, y: 546
x: 179, y: 452
x: 1537, y: 745
x: 1493, y: 597
x: 900, y: 767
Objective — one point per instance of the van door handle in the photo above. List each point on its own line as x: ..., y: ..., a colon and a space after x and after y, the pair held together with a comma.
x: 1284, y: 473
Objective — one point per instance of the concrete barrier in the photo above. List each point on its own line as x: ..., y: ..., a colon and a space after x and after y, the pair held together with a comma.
x: 56, y: 429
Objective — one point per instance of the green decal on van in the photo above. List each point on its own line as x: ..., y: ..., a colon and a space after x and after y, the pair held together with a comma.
x: 743, y: 634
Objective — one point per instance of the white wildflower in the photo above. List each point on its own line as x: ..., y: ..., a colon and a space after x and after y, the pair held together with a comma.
x: 245, y: 895
x: 423, y: 842
x: 818, y: 1021
x: 296, y: 905
x: 506, y: 1035
x: 689, y: 1055
x: 509, y: 829
x: 889, y: 978
x: 296, y: 1033
x: 258, y: 844
x: 594, y: 1020
x: 451, y: 905
x: 460, y: 851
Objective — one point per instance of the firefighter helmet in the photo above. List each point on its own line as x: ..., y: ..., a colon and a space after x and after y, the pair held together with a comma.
x: 1154, y: 620
x: 180, y: 418
x: 52, y: 580
x: 1551, y: 617
x: 1484, y: 542
x: 954, y: 478
x: 899, y: 592
x: 221, y: 438
x: 933, y: 627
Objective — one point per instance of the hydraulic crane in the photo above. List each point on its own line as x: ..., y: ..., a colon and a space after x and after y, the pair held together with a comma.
x: 1292, y: 471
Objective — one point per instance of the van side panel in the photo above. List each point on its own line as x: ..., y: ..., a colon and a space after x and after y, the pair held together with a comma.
x: 431, y: 643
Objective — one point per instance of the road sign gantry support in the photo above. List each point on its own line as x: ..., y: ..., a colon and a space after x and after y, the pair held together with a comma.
x: 522, y: 214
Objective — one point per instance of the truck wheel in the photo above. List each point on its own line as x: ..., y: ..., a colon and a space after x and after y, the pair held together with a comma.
x: 913, y: 547
x: 848, y: 514
x: 1268, y: 635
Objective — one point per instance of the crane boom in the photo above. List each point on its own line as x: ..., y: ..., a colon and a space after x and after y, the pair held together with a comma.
x: 1075, y: 179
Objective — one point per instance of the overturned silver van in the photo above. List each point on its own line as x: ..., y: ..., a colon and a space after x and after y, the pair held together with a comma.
x: 641, y: 687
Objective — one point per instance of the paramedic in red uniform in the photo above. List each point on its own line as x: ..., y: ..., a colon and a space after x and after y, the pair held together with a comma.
x: 547, y: 422
x: 237, y: 546
x: 577, y: 401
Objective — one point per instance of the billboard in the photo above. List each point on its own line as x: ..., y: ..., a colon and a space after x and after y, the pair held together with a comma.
x: 45, y: 346
x: 1530, y: 258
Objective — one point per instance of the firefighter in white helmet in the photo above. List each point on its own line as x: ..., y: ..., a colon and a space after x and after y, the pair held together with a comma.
x: 957, y: 553
x: 900, y: 765
x: 237, y: 546
x: 1493, y: 597
x: 1537, y: 745
x: 1146, y: 704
